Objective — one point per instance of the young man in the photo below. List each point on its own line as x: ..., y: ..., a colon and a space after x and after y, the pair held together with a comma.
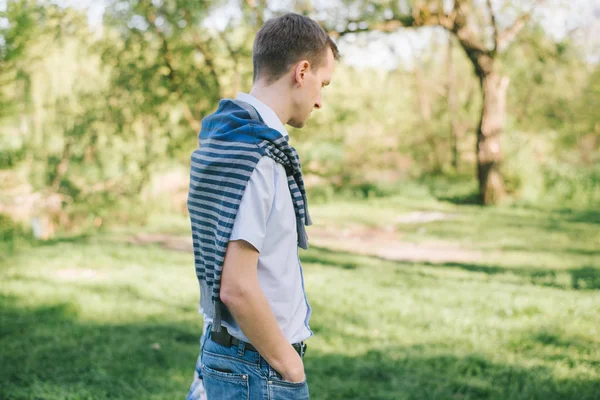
x: 248, y: 210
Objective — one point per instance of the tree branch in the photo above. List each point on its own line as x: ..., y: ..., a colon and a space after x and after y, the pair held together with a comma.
x: 202, y: 47
x: 481, y: 57
x: 519, y: 24
x: 420, y: 17
x: 456, y: 21
x: 511, y: 32
x: 173, y: 74
x: 494, y: 24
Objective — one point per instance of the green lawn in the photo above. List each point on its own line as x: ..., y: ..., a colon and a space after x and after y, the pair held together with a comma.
x: 97, y: 318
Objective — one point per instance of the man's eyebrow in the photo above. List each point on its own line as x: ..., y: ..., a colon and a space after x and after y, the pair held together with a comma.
x: 325, y: 83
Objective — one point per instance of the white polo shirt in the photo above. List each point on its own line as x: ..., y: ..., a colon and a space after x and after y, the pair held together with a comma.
x: 266, y: 219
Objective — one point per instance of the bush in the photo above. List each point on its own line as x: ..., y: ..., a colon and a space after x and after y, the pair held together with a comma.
x: 537, y: 170
x: 10, y: 234
x: 8, y: 229
x: 569, y: 185
x: 522, y: 167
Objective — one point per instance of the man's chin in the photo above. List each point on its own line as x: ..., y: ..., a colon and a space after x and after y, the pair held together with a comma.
x: 297, y: 124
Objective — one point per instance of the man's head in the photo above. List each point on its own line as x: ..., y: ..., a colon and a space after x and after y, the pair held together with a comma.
x: 295, y: 54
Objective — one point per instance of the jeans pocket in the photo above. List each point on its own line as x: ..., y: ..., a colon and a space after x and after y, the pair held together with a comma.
x: 283, y: 390
x: 222, y: 383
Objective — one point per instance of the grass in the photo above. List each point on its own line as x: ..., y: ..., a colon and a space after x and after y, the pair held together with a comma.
x: 97, y: 318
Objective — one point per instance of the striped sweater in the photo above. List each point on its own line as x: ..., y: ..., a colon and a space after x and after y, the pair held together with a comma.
x: 232, y: 141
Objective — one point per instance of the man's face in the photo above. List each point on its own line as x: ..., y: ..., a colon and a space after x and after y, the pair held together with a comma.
x: 308, y: 96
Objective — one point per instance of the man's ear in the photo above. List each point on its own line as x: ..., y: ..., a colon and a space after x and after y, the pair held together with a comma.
x: 300, y: 72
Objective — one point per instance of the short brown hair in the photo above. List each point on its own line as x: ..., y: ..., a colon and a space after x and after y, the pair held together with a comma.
x: 287, y: 39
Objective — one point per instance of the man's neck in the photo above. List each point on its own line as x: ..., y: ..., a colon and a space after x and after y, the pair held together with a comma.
x: 273, y: 97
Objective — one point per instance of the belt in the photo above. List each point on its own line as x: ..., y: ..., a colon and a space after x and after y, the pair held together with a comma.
x: 225, y: 339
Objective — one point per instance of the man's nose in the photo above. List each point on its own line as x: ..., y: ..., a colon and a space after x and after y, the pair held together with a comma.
x: 318, y: 103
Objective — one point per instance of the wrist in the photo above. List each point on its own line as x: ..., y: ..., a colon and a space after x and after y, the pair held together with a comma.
x: 289, y: 364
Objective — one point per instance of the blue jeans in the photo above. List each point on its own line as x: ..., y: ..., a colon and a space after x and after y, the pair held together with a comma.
x: 238, y: 373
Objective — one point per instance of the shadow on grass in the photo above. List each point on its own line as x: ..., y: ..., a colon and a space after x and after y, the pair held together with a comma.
x: 49, y: 353
x: 544, y: 249
x: 469, y: 199
x: 22, y: 243
x: 583, y: 278
x: 72, y: 239
x: 555, y: 345
x: 587, y: 216
x: 331, y: 258
x: 124, y: 292
x: 422, y: 372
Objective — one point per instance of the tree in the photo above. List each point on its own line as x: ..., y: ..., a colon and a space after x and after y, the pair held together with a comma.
x: 472, y: 27
x: 15, y: 36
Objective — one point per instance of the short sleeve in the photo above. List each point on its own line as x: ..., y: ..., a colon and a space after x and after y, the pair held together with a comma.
x: 251, y: 220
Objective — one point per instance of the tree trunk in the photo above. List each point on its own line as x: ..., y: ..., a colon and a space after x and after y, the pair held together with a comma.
x: 491, y: 126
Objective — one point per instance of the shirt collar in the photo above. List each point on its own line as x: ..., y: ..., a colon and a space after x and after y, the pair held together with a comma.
x: 267, y: 114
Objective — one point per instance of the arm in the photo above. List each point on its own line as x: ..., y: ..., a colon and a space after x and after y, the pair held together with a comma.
x: 243, y: 296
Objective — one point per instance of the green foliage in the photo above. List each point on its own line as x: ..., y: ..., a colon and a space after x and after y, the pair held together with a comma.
x: 547, y: 77
x: 585, y: 125
x: 538, y: 170
x: 12, y: 236
x: 523, y: 167
x: 573, y: 186
x: 8, y: 229
x: 168, y: 70
x: 10, y: 158
x: 97, y: 115
x: 16, y: 34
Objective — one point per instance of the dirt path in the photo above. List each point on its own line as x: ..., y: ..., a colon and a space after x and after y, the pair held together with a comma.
x: 388, y: 245
x: 359, y: 240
